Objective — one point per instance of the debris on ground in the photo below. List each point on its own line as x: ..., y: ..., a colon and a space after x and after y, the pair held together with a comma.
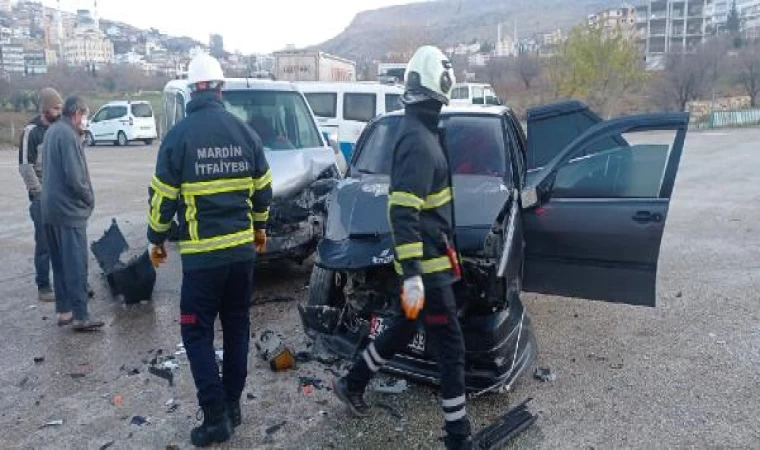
x: 39, y: 359
x: 506, y: 427
x: 274, y: 428
x: 273, y: 350
x: 139, y: 420
x: 131, y: 370
x: 107, y: 445
x: 313, y: 382
x: 23, y: 381
x: 171, y: 405
x: 52, y: 423
x: 166, y: 374
x: 250, y: 396
x: 389, y: 385
x: 596, y: 357
x: 391, y: 409
x: 219, y: 356
x: 617, y: 366
x: 117, y: 400
x: 544, y: 374
x: 172, y: 447
x: 679, y: 294
x: 264, y: 299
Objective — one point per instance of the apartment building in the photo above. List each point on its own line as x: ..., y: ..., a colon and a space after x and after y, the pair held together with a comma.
x: 672, y: 26
x: 615, y: 20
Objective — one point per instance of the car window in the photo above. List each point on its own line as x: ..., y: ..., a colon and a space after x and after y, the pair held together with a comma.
x: 634, y: 170
x: 142, y: 110
x: 179, y: 112
x: 392, y: 102
x: 460, y: 93
x: 359, y: 107
x: 116, y: 112
x: 475, y: 146
x: 281, y: 118
x: 323, y: 104
x: 101, y: 115
x: 478, y: 95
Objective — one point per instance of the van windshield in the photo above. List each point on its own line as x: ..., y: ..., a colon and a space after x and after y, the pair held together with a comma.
x: 142, y: 110
x: 280, y: 118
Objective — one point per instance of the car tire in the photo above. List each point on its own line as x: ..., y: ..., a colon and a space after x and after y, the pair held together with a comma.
x: 323, y: 289
x: 148, y: 141
x: 121, y: 139
x: 89, y: 140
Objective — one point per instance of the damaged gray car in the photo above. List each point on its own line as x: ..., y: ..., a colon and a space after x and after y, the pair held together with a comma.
x: 576, y: 209
x: 304, y: 168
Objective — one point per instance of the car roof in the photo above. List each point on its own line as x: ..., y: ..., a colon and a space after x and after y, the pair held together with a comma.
x: 465, y: 109
x: 359, y: 86
x: 237, y: 84
x: 126, y: 102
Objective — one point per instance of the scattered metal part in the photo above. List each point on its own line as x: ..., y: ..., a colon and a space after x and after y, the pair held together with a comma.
x: 544, y: 374
x: 389, y: 386
x: 274, y: 428
x: 505, y: 428
x: 52, y: 423
x: 106, y: 445
x: 39, y: 359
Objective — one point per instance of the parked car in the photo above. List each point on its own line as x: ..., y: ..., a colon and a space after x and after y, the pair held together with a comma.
x: 587, y: 223
x: 474, y: 94
x: 303, y: 165
x: 122, y: 122
x: 344, y: 109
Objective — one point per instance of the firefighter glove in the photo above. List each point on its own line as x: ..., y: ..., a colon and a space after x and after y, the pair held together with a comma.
x: 413, y: 297
x: 260, y: 238
x: 157, y: 254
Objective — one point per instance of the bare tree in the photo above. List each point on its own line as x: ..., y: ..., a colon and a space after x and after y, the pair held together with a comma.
x: 528, y: 68
x: 748, y: 72
x: 496, y: 70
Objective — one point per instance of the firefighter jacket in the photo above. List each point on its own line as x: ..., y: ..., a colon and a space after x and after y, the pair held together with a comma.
x: 420, y: 198
x: 211, y: 172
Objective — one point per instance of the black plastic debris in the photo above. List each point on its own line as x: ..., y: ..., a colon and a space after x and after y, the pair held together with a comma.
x: 39, y: 359
x: 323, y: 319
x: 166, y: 374
x: 505, y: 428
x: 544, y: 374
x: 138, y: 420
x: 133, y: 280
x: 107, y: 445
x: 314, y: 382
x: 274, y: 428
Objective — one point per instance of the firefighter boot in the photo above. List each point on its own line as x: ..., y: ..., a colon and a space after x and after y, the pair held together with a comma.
x: 216, y: 427
x: 233, y: 410
x: 459, y: 442
x: 354, y: 400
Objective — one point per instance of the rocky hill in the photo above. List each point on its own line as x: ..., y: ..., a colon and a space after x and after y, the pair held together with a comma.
x: 447, y: 22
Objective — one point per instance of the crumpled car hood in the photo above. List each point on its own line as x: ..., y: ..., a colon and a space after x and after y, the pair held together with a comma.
x: 294, y: 170
x: 358, y: 215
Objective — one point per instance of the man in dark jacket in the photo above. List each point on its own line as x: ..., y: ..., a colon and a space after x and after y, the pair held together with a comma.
x: 421, y: 216
x: 67, y: 203
x: 30, y: 168
x: 211, y: 172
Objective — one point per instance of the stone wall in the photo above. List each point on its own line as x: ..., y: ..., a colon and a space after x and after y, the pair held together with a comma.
x: 701, y: 109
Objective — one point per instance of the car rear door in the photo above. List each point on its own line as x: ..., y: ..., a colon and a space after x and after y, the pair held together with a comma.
x: 596, y: 212
x: 144, y: 124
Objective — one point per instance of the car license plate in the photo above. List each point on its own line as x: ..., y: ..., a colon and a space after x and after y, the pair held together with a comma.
x: 418, y: 342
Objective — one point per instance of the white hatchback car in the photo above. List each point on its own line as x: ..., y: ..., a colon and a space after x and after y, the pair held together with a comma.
x: 122, y: 122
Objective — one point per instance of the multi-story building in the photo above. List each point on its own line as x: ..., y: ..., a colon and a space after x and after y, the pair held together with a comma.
x: 5, y: 6
x: 672, y: 26
x: 88, y: 45
x: 12, y: 59
x: 749, y: 14
x: 35, y: 62
x: 615, y: 21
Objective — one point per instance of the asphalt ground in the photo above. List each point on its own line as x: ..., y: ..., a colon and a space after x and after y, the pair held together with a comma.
x: 682, y: 375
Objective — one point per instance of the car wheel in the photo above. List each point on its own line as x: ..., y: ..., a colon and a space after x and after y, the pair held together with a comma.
x: 89, y: 140
x: 324, y: 287
x: 148, y: 141
x: 121, y: 139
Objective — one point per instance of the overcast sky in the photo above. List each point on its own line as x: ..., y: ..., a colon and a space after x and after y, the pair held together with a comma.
x: 260, y: 26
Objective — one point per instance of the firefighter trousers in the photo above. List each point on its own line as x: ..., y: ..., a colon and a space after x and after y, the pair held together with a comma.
x: 224, y: 291
x: 443, y: 334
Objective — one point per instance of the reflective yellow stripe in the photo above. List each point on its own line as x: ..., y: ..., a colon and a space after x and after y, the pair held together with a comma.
x: 406, y: 199
x: 163, y: 188
x: 216, y: 243
x: 438, y: 199
x: 261, y: 216
x: 190, y: 213
x: 217, y: 186
x: 407, y: 251
x: 159, y: 227
x: 263, y: 181
x: 428, y: 265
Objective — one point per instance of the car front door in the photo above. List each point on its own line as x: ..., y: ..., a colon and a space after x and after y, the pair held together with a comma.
x: 97, y: 125
x: 595, y: 214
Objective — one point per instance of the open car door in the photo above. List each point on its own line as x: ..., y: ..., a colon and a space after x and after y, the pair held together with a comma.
x: 595, y: 214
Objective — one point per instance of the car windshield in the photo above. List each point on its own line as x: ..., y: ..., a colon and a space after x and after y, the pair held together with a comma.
x: 280, y: 118
x: 142, y: 110
x: 475, y: 146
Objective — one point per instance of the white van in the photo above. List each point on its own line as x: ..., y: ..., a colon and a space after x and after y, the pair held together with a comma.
x: 344, y: 109
x: 122, y: 122
x: 473, y: 94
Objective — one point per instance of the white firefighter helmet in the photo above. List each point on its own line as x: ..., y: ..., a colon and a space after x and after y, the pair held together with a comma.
x: 204, y: 68
x: 429, y: 75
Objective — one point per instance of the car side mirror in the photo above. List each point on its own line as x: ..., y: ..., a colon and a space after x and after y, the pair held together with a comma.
x: 529, y: 198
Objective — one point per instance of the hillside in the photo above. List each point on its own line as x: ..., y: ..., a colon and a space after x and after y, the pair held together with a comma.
x: 446, y: 22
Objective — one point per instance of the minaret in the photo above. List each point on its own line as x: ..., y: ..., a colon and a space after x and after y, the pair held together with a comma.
x: 95, y: 17
x: 59, y: 29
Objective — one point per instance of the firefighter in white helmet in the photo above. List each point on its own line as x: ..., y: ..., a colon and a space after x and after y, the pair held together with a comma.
x: 421, y: 216
x: 211, y: 173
